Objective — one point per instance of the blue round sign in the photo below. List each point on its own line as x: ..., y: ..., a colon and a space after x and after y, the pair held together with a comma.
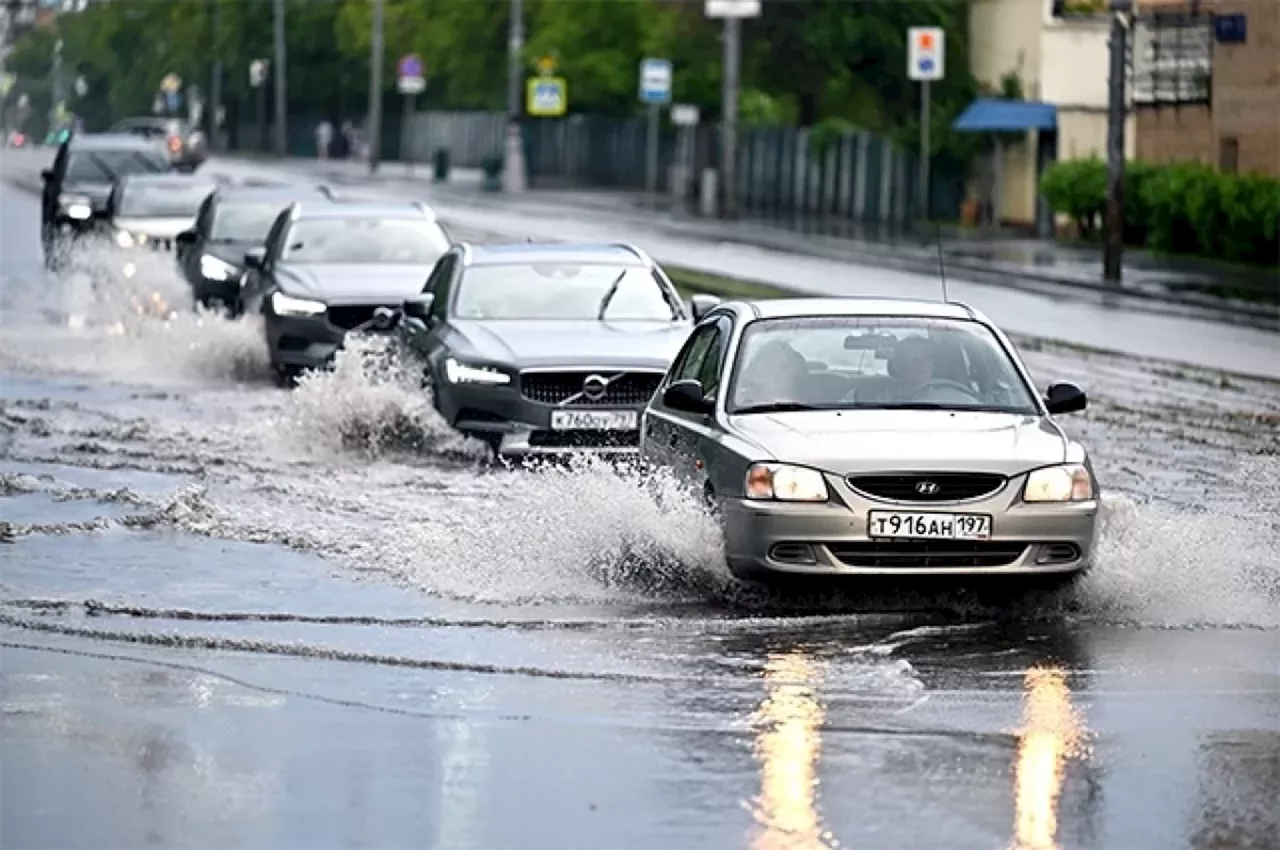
x: 926, y: 65
x: 410, y: 65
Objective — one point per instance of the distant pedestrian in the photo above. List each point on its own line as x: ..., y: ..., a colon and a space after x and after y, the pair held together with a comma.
x: 324, y: 138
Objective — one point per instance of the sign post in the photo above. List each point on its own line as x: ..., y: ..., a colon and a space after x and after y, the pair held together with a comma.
x: 411, y: 82
x: 257, y: 81
x: 732, y: 13
x: 685, y: 116
x: 926, y: 62
x: 655, y: 90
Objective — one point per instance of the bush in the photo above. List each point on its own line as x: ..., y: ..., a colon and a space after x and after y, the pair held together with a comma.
x: 1184, y: 207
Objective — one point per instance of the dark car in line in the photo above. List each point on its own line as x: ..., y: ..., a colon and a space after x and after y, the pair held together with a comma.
x: 552, y: 348
x: 180, y: 142
x: 78, y: 184
x: 327, y: 267
x: 146, y: 212
x: 231, y: 221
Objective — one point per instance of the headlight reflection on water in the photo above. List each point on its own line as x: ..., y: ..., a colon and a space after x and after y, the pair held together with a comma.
x: 1050, y: 736
x: 788, y: 747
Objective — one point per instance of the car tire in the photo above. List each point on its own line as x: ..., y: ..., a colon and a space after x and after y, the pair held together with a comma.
x: 285, y: 377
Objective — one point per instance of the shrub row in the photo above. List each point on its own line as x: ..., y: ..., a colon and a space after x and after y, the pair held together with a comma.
x: 1184, y: 207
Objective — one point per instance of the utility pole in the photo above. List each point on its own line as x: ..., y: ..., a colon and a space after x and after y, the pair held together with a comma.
x: 513, y: 170
x: 375, y: 89
x: 729, y: 118
x: 282, y: 129
x: 215, y: 80
x: 1113, y: 247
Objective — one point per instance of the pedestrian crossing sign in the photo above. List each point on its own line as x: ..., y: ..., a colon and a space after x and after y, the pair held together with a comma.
x: 547, y: 97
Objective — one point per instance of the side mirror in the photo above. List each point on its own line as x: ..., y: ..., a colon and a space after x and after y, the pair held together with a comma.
x: 1065, y: 398
x: 254, y: 258
x: 46, y: 174
x: 702, y: 305
x: 686, y: 396
x: 186, y: 238
x: 419, y: 307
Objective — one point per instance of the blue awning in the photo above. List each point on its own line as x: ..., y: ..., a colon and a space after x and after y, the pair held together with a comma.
x: 992, y: 115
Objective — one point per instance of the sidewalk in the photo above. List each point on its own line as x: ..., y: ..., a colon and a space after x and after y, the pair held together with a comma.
x: 1251, y: 295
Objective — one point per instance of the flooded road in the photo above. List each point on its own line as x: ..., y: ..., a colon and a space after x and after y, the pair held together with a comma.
x: 232, y: 615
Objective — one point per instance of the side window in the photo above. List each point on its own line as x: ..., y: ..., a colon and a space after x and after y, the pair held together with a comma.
x: 713, y: 364
x: 204, y: 218
x: 273, y: 242
x: 701, y: 346
x: 439, y: 274
x: 442, y: 285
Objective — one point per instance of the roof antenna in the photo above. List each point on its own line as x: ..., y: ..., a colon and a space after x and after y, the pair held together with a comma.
x: 942, y: 265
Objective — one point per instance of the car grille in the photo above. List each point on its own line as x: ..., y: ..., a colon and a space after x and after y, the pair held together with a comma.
x: 350, y: 316
x: 928, y: 486
x: 159, y: 244
x: 915, y: 554
x: 626, y: 389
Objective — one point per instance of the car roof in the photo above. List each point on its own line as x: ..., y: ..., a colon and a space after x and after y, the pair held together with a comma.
x: 307, y: 209
x: 109, y: 142
x: 519, y: 253
x: 282, y: 192
x: 155, y: 120
x: 783, y: 308
x: 168, y: 178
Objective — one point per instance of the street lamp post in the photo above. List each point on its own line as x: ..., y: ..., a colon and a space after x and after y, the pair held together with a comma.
x: 513, y: 171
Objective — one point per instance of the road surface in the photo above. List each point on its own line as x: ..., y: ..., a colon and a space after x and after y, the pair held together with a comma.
x: 235, y: 616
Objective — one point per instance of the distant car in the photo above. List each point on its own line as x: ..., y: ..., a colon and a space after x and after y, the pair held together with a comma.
x: 231, y: 221
x: 547, y: 348
x: 865, y: 436
x: 326, y: 267
x: 77, y: 185
x: 184, y: 145
x: 146, y: 212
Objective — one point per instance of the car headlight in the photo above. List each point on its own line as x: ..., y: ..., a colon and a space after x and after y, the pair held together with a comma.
x: 287, y: 305
x: 785, y: 483
x: 214, y: 269
x: 77, y: 206
x: 1069, y: 482
x: 460, y: 373
x: 124, y: 239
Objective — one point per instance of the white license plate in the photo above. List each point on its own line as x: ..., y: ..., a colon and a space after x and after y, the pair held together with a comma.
x: 594, y: 420
x: 928, y: 526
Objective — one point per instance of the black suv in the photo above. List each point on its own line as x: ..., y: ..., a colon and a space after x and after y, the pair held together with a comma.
x: 230, y: 222
x: 78, y: 184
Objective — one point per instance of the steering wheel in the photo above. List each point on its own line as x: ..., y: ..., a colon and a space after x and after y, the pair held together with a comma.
x: 943, y: 382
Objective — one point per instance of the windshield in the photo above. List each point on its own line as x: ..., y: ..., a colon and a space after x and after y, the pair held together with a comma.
x: 879, y: 363
x: 561, y: 291
x: 106, y: 166
x: 161, y: 201
x: 244, y: 222
x: 410, y: 241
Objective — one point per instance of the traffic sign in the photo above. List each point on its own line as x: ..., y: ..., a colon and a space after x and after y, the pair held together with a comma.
x: 546, y: 65
x: 257, y: 72
x: 732, y: 8
x: 926, y: 54
x: 411, y: 85
x: 547, y: 97
x: 410, y: 65
x: 655, y: 81
x: 684, y: 115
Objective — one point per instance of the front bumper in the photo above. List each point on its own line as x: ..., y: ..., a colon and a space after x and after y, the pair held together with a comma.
x: 832, y: 538
x: 518, y: 426
x: 302, y: 342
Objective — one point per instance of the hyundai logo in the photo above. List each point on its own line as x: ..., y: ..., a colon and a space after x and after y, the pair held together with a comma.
x: 595, y: 386
x: 927, y: 488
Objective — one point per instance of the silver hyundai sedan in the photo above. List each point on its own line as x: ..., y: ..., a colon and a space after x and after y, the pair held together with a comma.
x: 872, y: 436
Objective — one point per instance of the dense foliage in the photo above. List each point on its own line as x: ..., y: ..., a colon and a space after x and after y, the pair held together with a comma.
x: 803, y: 63
x: 1189, y: 208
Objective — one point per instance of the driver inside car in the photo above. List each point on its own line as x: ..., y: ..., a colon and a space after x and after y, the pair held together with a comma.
x: 912, y: 366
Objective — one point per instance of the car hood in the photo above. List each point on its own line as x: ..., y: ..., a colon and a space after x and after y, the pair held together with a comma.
x: 162, y: 228
x: 575, y: 344
x: 97, y: 193
x: 924, y: 440
x: 342, y: 283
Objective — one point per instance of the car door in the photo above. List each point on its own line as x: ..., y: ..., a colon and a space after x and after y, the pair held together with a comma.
x: 671, y: 436
x: 425, y: 337
x: 261, y: 281
x: 189, y: 255
x: 53, y: 187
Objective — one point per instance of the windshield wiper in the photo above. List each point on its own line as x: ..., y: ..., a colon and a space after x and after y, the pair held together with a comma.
x: 778, y: 407
x: 933, y: 405
x: 608, y: 296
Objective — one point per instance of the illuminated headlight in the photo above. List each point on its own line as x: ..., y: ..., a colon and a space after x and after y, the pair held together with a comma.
x: 129, y: 270
x: 1067, y: 483
x: 287, y: 305
x: 77, y: 206
x: 785, y: 483
x: 459, y: 373
x: 124, y: 239
x: 214, y: 269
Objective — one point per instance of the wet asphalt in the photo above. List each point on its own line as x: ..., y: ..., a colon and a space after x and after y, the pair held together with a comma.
x: 237, y: 616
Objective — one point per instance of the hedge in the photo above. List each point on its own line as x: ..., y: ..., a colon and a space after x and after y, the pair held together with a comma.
x: 1184, y: 207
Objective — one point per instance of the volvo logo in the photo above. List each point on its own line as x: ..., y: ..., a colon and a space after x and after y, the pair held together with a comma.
x: 595, y: 386
x: 927, y: 488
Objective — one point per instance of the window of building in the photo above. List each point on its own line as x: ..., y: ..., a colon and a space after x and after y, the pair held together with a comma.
x: 1229, y: 155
